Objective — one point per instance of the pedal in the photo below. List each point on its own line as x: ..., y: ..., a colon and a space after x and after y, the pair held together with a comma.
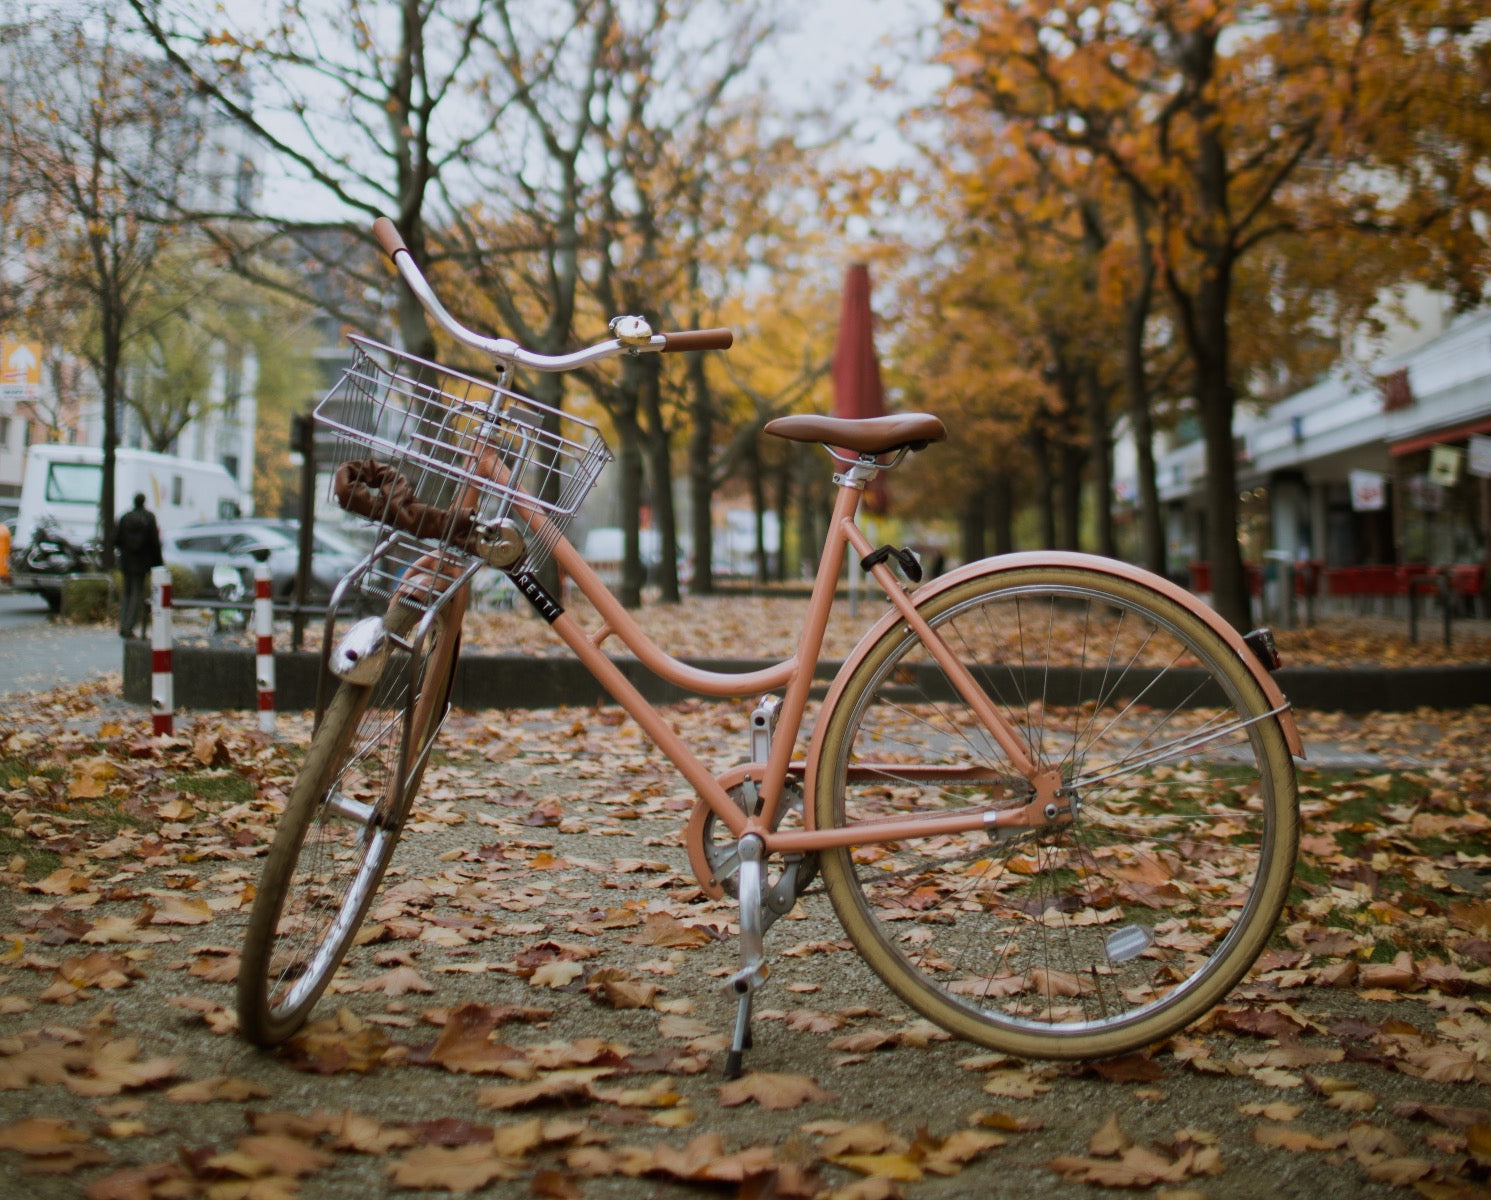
x: 747, y: 979
x: 763, y: 725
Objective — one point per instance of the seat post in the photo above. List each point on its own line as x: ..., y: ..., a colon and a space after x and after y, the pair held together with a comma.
x: 862, y: 471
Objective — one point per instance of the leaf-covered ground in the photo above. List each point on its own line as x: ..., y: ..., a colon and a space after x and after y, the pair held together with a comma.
x: 739, y: 626
x: 749, y: 626
x: 536, y: 1010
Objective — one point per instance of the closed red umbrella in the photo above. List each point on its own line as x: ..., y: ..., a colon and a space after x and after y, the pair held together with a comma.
x: 857, y: 388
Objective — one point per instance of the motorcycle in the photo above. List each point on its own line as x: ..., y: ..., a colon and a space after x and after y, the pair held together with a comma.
x: 48, y: 558
x: 51, y: 553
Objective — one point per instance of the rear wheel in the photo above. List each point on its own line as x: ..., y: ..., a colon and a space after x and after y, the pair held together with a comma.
x: 1156, y: 891
x: 338, y: 832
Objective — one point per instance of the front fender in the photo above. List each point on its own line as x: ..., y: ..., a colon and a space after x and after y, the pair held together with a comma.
x: 1057, y: 558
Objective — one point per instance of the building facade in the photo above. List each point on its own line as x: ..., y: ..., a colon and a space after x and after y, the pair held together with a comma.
x: 53, y: 396
x: 1385, y: 465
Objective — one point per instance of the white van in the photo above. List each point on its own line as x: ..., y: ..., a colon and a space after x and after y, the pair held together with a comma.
x: 65, y: 483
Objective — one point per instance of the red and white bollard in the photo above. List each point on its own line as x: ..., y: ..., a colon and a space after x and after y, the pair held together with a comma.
x: 264, y: 646
x: 162, y: 702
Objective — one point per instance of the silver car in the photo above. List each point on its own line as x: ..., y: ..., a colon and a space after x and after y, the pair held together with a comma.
x: 214, y: 545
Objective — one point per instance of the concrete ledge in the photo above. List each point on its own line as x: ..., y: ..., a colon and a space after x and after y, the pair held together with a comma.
x: 1383, y: 689
x: 213, y: 678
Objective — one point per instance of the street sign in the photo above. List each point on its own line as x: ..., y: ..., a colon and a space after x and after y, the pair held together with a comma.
x: 1368, y: 491
x: 20, y: 370
x: 1444, y: 465
x: 1480, y: 455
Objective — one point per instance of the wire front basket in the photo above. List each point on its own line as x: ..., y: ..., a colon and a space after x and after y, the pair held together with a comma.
x: 443, y: 458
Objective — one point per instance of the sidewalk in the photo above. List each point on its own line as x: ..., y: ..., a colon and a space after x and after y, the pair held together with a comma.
x: 37, y: 653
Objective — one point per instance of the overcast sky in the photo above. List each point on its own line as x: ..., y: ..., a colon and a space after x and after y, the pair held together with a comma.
x: 837, y: 42
x: 822, y: 59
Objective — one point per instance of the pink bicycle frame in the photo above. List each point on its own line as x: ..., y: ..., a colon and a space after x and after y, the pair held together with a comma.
x: 796, y: 674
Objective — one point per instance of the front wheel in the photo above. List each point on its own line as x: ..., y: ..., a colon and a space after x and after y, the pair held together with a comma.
x: 1158, y: 887
x: 337, y: 833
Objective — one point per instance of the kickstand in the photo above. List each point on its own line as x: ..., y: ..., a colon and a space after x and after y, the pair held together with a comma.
x: 752, y: 974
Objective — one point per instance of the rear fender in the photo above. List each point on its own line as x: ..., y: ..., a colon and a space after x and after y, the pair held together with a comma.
x: 1060, y: 558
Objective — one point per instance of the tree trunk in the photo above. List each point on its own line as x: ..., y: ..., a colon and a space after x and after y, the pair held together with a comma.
x: 1228, y: 583
x: 660, y: 472
x: 758, y: 506
x: 1204, y: 311
x: 1002, y: 513
x: 783, y: 472
x: 1045, y: 486
x: 109, y: 369
x: 1207, y: 336
x: 972, y: 526
x: 809, y: 529
x: 701, y: 489
x: 1151, y: 526
x: 1101, y: 458
x: 1071, y: 462
x: 414, y: 324
x: 629, y: 483
x: 1136, y: 387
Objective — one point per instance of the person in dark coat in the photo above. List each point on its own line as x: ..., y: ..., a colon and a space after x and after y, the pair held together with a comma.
x: 137, y: 539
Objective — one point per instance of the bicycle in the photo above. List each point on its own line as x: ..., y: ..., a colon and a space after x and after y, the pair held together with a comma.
x: 1051, y: 796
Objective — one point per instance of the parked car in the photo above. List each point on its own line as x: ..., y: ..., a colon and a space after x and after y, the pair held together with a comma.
x: 210, y: 545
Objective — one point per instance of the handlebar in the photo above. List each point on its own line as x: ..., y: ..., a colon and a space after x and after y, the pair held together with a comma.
x: 643, y: 341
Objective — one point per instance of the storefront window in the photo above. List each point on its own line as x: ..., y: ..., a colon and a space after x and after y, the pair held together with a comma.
x: 1441, y: 511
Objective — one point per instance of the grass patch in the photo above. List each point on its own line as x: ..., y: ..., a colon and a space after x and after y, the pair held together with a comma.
x: 105, y: 815
x: 39, y: 861
x: 217, y: 787
x: 1357, y: 804
x: 1384, y: 952
x: 14, y: 772
x: 1308, y: 871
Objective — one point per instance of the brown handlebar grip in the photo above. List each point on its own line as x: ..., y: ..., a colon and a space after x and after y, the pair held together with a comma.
x: 388, y: 236
x: 698, y: 339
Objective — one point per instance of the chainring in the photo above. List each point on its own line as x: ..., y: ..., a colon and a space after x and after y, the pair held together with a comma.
x: 718, y: 844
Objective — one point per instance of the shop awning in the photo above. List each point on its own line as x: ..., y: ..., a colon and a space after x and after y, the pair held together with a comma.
x: 1457, y: 433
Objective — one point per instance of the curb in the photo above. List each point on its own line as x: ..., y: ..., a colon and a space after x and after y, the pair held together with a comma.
x: 217, y: 678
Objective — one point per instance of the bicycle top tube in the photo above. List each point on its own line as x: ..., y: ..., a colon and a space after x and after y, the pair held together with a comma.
x: 633, y: 334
